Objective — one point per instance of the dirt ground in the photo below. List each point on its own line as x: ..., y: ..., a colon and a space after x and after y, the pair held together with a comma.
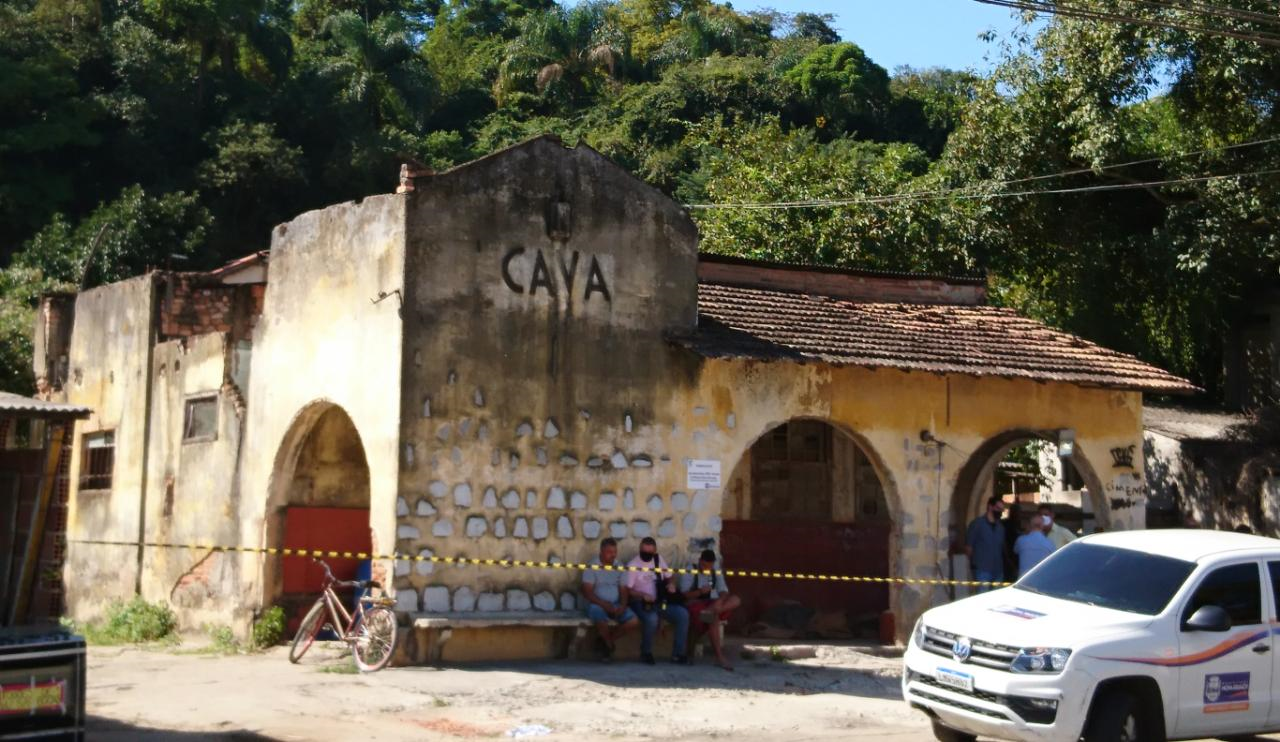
x: 154, y: 694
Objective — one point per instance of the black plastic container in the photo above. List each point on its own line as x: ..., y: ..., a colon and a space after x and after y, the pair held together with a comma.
x: 42, y: 674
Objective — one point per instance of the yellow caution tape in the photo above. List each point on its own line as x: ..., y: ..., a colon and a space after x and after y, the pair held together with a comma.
x: 576, y: 566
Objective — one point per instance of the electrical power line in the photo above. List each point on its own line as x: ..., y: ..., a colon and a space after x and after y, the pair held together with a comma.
x: 1221, y: 11
x: 1046, y: 7
x: 919, y: 195
x: 957, y: 194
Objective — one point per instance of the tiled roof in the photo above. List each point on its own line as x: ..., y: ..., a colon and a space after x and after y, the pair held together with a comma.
x: 15, y: 403
x: 739, y: 322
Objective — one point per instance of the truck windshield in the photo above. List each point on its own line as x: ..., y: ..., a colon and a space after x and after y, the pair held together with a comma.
x: 1108, y: 577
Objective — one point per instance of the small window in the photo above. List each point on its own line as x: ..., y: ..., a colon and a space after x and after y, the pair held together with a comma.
x: 98, y: 461
x: 1274, y: 569
x: 1235, y: 589
x: 201, y: 421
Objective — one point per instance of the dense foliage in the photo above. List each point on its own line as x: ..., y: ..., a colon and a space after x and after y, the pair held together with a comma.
x: 138, y: 133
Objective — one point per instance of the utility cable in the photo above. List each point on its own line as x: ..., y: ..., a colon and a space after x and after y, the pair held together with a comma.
x: 1056, y: 8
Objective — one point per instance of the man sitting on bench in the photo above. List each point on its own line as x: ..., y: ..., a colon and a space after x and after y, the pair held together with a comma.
x: 607, y: 596
x: 709, y: 602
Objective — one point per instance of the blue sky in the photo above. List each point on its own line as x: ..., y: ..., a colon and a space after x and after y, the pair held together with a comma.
x: 919, y: 33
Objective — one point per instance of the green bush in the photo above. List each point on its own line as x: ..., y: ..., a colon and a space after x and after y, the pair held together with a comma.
x: 268, y: 630
x: 134, y: 622
x: 223, y: 641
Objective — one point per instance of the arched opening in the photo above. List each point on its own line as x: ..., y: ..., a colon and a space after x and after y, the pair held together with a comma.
x: 1023, y: 468
x: 319, y: 500
x: 807, y: 497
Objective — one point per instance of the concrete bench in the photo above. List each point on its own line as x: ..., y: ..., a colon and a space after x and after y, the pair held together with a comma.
x: 432, y: 631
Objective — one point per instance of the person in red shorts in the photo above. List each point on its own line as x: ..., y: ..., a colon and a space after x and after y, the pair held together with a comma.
x: 709, y: 602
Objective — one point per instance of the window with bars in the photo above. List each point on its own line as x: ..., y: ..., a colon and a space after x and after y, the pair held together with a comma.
x: 98, y: 460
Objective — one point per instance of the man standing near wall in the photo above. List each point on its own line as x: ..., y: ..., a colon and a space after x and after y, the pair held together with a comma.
x: 984, y: 543
x: 654, y: 597
x: 606, y: 596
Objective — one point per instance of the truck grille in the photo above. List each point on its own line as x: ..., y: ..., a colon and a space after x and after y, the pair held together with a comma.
x: 985, y: 654
x: 1030, y: 710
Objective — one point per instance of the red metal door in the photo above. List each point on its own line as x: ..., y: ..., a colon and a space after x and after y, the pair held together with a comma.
x: 330, y: 529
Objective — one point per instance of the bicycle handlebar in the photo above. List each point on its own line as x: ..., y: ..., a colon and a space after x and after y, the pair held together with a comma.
x: 330, y: 580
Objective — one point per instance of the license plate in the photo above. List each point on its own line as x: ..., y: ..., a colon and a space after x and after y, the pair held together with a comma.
x: 955, y: 679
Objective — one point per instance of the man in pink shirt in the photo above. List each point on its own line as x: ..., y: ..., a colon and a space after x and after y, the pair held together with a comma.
x: 653, y: 599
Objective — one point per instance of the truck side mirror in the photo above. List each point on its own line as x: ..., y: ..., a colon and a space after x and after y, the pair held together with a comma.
x: 1208, y: 618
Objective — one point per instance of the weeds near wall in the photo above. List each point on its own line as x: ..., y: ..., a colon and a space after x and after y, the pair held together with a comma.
x: 134, y: 622
x: 268, y: 630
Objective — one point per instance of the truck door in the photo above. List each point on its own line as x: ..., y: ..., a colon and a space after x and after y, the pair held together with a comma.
x: 1224, y: 678
x: 1273, y: 570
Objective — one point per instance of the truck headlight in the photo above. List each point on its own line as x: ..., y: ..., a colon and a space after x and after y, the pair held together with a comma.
x: 1041, y: 659
x: 917, y: 634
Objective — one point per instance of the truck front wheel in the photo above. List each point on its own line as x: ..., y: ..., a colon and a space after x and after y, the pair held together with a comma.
x: 1117, y: 717
x: 944, y: 733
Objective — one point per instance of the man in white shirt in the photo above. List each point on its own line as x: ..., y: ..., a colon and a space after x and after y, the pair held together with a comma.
x: 653, y: 597
x: 1057, y: 533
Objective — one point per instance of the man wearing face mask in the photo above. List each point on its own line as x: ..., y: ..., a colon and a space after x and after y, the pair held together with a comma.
x: 984, y: 543
x: 1057, y: 533
x: 653, y: 598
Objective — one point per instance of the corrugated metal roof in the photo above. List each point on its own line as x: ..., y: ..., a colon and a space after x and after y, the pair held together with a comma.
x: 734, y: 321
x: 16, y: 403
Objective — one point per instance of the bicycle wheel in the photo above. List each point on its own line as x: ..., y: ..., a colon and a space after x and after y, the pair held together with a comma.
x: 375, y: 639
x: 307, y: 631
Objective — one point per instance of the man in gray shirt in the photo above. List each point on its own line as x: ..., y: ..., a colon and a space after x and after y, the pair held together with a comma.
x: 606, y: 594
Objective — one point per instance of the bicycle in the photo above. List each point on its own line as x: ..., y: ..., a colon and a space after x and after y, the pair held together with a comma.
x: 370, y: 629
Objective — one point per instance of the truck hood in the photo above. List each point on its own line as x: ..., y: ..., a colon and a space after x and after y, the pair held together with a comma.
x: 1024, y: 619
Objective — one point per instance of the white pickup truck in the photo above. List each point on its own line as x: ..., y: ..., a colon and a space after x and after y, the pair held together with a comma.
x: 1138, y: 635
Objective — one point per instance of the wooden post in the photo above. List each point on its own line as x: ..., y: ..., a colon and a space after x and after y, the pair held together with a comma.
x: 35, y: 538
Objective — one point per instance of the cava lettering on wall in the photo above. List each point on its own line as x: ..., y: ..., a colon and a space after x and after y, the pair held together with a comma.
x: 570, y: 274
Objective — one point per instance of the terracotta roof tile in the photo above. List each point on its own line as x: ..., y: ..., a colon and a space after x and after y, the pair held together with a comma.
x: 734, y: 321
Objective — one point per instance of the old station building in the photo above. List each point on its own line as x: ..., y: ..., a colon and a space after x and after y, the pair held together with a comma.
x: 525, y: 354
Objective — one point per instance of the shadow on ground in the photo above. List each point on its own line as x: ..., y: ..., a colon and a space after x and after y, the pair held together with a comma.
x: 100, y: 729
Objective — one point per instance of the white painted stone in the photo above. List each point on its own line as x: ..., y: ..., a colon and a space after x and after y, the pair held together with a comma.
x: 518, y: 600
x: 513, y: 462
x: 550, y: 430
x: 407, y: 532
x: 608, y: 501
x: 715, y: 524
x: 455, y: 455
x: 496, y: 458
x: 477, y: 398
x: 679, y: 502
x: 667, y: 528
x: 586, y: 414
x: 425, y: 567
x: 564, y: 527
x: 437, y: 488
x: 453, y: 378
x: 462, y: 495
x: 521, y: 528
x: 595, y: 462
x: 690, y: 522
x: 618, y: 460
x: 500, y: 528
x: 591, y: 529
x: 436, y: 599
x: 642, y: 462
x: 541, y: 529
x: 628, y: 499
x: 655, y: 502
x: 731, y: 421
x: 618, y: 529
x: 568, y: 602
x: 700, y: 500
x: 544, y: 601
x: 442, y: 528
x: 641, y: 528
x: 426, y: 407
x: 699, y: 410
x: 626, y: 422
x: 403, y: 568
x: 540, y: 455
x: 555, y: 499
x: 410, y: 454
x: 476, y: 526
x: 523, y: 429
x: 444, y: 431
x: 482, y: 433
x: 578, y: 500
x: 425, y: 507
x: 402, y: 507
x: 464, y: 600
x: 568, y: 460
x: 464, y: 427
x: 490, y: 602
x: 490, y: 498
x: 699, y: 437
x: 510, y: 499
x: 531, y: 498
x: 407, y: 600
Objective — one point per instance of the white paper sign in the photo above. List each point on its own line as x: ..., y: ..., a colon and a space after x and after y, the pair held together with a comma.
x: 703, y: 474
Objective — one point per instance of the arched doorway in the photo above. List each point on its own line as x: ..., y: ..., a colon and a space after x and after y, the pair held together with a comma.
x: 319, y: 500
x: 1023, y: 468
x: 807, y: 497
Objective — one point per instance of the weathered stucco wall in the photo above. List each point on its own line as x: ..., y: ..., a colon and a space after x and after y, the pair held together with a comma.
x: 108, y: 362
x: 323, y: 342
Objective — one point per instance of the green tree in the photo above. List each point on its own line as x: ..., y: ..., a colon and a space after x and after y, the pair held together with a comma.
x: 842, y: 90
x: 566, y: 53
